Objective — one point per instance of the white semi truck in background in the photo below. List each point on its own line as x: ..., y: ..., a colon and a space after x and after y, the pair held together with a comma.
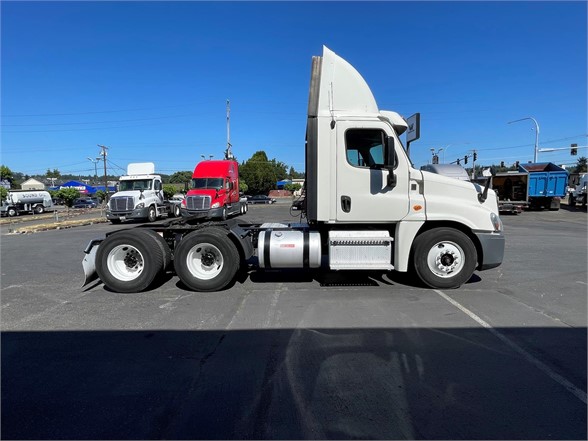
x: 578, y: 195
x: 140, y: 196
x: 367, y: 208
x: 27, y: 201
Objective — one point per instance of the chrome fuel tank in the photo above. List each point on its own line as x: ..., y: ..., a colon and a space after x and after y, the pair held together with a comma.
x: 289, y: 249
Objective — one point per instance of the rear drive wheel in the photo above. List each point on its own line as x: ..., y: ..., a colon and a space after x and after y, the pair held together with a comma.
x: 157, y: 241
x: 39, y: 209
x: 444, y: 258
x: 206, y: 260
x: 152, y: 216
x: 129, y: 261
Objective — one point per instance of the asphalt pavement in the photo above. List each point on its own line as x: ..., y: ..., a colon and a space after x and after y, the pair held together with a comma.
x: 299, y: 355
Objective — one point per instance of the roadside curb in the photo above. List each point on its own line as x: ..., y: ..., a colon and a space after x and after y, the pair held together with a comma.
x: 58, y: 225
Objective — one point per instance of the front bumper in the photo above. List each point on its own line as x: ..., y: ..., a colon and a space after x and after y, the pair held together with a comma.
x: 137, y: 213
x: 213, y: 213
x: 492, y: 250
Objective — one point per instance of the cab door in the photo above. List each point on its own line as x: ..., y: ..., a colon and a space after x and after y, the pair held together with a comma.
x: 363, y: 193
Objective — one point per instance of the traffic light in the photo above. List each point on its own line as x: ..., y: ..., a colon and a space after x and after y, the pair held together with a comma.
x: 502, y: 164
x: 574, y: 149
x: 465, y: 159
x: 475, y: 156
x: 458, y: 163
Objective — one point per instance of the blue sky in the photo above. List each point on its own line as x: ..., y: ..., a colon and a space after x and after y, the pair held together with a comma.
x: 150, y: 80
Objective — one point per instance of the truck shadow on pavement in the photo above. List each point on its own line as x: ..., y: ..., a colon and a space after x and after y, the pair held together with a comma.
x: 319, y: 383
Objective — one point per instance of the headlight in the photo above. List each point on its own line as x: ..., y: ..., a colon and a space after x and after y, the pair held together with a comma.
x: 141, y: 205
x: 215, y: 205
x: 496, y: 222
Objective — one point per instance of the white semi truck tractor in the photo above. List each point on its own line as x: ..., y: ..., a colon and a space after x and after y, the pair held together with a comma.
x: 367, y: 208
x: 140, y: 196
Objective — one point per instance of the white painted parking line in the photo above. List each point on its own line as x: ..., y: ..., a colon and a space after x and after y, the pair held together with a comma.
x: 578, y: 393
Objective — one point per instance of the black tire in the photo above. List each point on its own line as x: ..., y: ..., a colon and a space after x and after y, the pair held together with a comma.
x: 11, y: 212
x: 128, y: 261
x: 39, y: 209
x: 223, y: 215
x: 444, y: 258
x: 571, y: 201
x: 176, y: 210
x: 157, y: 241
x: 152, y: 216
x: 206, y: 260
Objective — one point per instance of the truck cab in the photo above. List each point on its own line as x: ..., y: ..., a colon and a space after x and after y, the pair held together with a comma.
x: 139, y: 196
x: 214, y: 191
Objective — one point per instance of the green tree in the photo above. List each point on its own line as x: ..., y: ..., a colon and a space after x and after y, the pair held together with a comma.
x: 581, y: 165
x: 293, y: 174
x: 6, y: 173
x: 68, y: 194
x: 101, y: 195
x: 292, y: 187
x: 260, y: 173
x: 181, y: 177
x: 3, y: 193
x: 169, y: 191
x: 53, y: 174
x: 243, y: 187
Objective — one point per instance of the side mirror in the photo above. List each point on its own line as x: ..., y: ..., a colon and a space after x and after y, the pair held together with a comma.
x: 389, y: 161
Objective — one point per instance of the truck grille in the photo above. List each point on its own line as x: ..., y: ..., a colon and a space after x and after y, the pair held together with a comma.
x: 122, y: 203
x: 194, y: 203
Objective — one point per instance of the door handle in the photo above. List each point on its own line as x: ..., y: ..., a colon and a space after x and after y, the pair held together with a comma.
x: 346, y: 204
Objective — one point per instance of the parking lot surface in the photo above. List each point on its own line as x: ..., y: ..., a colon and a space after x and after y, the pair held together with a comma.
x: 299, y: 355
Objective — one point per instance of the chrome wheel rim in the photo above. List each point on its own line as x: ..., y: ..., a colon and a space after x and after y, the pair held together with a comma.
x: 125, y: 262
x: 446, y: 259
x: 205, y: 261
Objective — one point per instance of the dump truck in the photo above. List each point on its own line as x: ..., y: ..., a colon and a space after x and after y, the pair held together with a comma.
x: 366, y: 208
x: 533, y: 185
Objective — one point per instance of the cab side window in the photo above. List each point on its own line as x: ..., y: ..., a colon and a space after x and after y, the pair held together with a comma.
x: 365, y: 147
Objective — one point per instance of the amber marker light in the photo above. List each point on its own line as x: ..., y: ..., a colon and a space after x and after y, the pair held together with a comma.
x: 417, y: 207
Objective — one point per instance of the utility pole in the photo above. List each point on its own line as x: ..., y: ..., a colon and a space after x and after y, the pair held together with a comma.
x: 474, y: 157
x: 228, y: 153
x: 103, y: 154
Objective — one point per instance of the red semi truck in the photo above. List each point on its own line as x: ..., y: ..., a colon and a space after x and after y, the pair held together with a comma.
x: 214, y: 192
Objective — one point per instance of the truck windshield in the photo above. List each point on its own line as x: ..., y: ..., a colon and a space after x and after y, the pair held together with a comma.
x: 139, y: 184
x: 212, y: 183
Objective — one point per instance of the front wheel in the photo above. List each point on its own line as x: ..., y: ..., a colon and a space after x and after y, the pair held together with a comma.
x: 11, y: 212
x: 223, y: 215
x: 444, y: 258
x: 206, y: 260
x: 152, y: 214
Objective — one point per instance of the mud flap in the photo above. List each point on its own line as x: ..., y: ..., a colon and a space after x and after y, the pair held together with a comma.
x: 89, y: 262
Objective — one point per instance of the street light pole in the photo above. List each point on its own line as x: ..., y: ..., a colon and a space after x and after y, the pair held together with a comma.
x: 536, y: 134
x: 95, y: 161
x: 436, y: 154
